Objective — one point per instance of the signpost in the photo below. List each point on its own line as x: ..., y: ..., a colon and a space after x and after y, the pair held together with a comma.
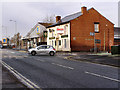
x: 93, y: 34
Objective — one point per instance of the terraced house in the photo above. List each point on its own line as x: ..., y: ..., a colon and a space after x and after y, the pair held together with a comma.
x: 87, y: 30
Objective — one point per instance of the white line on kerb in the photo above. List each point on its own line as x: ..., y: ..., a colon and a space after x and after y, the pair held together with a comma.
x: 94, y: 74
x: 21, y: 77
x: 63, y: 66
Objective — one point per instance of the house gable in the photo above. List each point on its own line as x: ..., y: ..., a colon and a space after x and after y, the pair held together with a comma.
x: 84, y: 24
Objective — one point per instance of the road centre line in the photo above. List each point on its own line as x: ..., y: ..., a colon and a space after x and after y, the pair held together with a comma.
x: 63, y: 66
x: 94, y: 74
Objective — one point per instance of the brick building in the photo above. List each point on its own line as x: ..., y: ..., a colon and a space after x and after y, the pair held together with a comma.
x: 83, y: 31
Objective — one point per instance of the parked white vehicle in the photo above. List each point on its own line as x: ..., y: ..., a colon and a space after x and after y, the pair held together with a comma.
x: 1, y: 46
x: 42, y: 49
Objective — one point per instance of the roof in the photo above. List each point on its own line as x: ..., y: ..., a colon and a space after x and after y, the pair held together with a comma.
x: 39, y: 23
x: 67, y: 19
x: 45, y: 24
x: 71, y: 17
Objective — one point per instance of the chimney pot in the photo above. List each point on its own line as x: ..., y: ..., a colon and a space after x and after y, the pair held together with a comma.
x: 58, y: 18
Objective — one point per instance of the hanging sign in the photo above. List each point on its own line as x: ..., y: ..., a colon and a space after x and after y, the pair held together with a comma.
x: 4, y: 40
x: 38, y: 30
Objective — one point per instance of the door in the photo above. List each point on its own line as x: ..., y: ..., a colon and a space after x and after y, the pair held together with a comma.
x: 40, y: 49
x: 46, y: 50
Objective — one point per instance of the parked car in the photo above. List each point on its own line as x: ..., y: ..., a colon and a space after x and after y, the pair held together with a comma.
x: 42, y: 49
x: 1, y: 46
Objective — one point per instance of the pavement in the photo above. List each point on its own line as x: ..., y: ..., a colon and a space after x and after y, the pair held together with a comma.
x: 10, y: 82
x: 104, y: 58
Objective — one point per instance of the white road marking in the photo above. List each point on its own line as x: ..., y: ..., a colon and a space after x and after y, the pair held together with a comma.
x: 12, y: 52
x: 94, y: 74
x: 21, y: 77
x: 63, y: 66
x: 40, y: 60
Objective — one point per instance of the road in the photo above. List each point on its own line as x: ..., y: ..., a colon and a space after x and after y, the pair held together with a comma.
x: 56, y: 72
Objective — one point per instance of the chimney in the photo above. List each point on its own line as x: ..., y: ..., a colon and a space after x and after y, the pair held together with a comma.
x: 58, y: 18
x: 83, y: 9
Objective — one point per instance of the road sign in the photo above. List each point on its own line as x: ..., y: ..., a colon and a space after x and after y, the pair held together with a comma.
x: 92, y: 33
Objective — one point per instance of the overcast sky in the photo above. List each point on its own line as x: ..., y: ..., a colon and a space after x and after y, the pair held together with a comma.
x: 27, y: 14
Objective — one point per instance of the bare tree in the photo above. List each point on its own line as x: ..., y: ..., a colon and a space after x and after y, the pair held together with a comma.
x: 49, y: 19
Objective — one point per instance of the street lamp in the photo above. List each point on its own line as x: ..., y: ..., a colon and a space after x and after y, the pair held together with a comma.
x: 15, y: 30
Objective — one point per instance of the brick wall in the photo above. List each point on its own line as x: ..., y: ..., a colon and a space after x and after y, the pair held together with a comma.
x: 83, y: 25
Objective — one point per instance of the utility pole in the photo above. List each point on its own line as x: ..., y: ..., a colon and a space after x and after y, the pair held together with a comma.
x: 104, y: 40
x: 15, y: 40
x: 94, y: 44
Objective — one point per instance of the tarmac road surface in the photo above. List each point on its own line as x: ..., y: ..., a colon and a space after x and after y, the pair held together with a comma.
x: 54, y: 72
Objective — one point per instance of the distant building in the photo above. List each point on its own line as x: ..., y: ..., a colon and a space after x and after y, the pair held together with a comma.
x: 116, y: 35
x: 0, y: 42
x: 37, y: 35
x: 83, y: 31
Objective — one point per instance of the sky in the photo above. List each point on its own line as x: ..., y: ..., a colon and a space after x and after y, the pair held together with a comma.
x: 28, y: 13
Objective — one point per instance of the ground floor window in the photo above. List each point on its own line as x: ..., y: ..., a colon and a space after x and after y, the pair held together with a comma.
x: 55, y: 43
x: 52, y: 42
x: 65, y: 43
x: 59, y: 42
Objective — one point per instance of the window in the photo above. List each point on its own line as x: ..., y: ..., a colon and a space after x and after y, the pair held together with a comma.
x: 42, y: 47
x: 25, y: 42
x: 65, y: 43
x: 52, y: 34
x: 96, y: 26
x: 52, y: 43
x: 65, y: 29
x: 59, y: 42
x: 55, y: 43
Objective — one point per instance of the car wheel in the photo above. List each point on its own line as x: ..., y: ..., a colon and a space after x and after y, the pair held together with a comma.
x: 33, y: 53
x: 52, y: 53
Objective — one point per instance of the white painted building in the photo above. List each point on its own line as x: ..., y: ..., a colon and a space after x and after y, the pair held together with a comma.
x: 59, y: 36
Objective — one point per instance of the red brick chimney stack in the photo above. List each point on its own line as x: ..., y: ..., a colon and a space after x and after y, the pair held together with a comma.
x: 83, y: 9
x: 58, y: 18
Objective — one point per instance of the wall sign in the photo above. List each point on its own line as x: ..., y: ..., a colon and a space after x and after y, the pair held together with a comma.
x: 60, y: 30
x: 97, y: 41
x: 38, y: 30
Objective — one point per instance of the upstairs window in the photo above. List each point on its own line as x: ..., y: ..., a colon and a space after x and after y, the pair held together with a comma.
x: 96, y: 26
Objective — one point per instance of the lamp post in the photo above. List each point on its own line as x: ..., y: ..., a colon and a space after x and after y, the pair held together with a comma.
x: 5, y: 29
x: 15, y: 41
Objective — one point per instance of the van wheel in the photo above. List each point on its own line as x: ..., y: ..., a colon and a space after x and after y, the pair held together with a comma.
x: 51, y: 53
x: 33, y: 53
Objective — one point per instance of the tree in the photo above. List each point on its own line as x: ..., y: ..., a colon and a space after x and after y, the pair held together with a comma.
x: 49, y: 19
